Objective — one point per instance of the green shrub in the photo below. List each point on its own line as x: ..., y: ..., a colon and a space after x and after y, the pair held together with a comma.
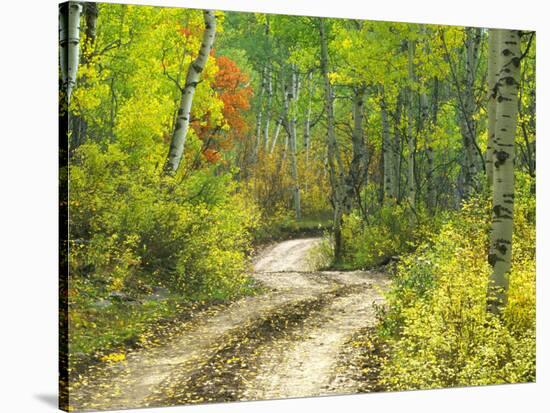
x: 389, y: 231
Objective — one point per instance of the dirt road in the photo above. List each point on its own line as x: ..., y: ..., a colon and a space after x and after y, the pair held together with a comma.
x: 292, y: 341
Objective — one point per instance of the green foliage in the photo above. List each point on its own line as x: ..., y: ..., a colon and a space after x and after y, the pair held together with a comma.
x: 132, y: 231
x: 189, y: 236
x: 390, y: 231
x: 437, y: 327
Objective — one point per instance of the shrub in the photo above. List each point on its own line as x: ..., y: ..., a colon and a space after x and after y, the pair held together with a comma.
x: 132, y: 230
x: 437, y: 328
x: 389, y: 231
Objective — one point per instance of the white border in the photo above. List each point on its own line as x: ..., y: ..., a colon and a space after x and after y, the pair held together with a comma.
x: 28, y: 206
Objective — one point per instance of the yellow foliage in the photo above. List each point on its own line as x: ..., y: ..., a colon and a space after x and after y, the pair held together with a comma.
x: 114, y: 358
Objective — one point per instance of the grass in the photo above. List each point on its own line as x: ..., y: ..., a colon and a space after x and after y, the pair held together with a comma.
x: 97, y: 332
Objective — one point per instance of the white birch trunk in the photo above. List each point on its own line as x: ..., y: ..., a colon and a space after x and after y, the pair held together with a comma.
x: 492, y: 77
x: 260, y: 115
x: 292, y: 97
x: 276, y: 134
x: 507, y: 87
x: 69, y: 44
x: 307, y: 121
x: 268, y: 109
x: 181, y: 126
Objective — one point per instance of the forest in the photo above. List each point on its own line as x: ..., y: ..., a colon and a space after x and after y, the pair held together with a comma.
x: 202, y: 143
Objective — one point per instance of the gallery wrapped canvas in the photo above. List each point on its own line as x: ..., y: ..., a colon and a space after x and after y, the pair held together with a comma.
x: 259, y: 206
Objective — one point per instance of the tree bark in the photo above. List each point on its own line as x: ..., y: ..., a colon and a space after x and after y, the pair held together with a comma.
x: 260, y: 114
x: 269, y: 87
x: 431, y: 193
x: 468, y: 123
x: 334, y: 160
x: 293, y: 97
x: 276, y: 134
x: 268, y: 109
x: 507, y: 86
x: 397, y: 148
x: 411, y: 141
x: 387, y: 152
x: 181, y: 126
x: 491, y: 103
x: 69, y: 44
x: 307, y: 120
x: 359, y: 162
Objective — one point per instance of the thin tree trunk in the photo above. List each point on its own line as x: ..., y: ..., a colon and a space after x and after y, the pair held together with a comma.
x: 431, y: 194
x: 268, y: 109
x: 282, y: 121
x: 91, y: 13
x: 269, y: 81
x: 307, y: 121
x: 293, y: 98
x: 181, y: 126
x: 491, y: 104
x: 507, y: 85
x: 387, y: 152
x: 335, y: 165
x: 411, y: 187
x: 359, y: 161
x: 260, y: 115
x: 276, y: 134
x: 397, y: 149
x: 468, y: 123
x: 79, y: 125
x: 69, y: 44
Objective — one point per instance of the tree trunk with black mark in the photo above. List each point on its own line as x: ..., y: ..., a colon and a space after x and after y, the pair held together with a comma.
x: 181, y: 126
x: 69, y: 44
x: 507, y: 86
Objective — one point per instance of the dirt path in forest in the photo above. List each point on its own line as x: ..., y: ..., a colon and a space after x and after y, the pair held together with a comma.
x: 287, y: 342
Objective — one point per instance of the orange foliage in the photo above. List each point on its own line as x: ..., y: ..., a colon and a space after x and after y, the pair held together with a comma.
x: 185, y: 31
x: 234, y: 93
x: 231, y: 85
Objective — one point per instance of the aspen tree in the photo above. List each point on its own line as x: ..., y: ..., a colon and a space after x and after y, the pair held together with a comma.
x: 269, y: 87
x: 307, y: 120
x: 334, y: 160
x: 293, y: 94
x: 359, y: 161
x: 507, y: 86
x: 69, y: 44
x: 181, y: 126
x: 492, y: 76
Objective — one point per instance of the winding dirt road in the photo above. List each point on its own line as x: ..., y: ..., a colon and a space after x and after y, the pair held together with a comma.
x: 288, y: 342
